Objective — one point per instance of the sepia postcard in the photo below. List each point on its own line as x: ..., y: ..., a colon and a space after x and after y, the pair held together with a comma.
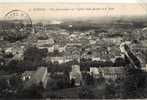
x: 73, y: 50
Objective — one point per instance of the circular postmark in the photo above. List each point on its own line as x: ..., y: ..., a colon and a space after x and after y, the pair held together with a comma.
x: 20, y: 16
x: 17, y: 25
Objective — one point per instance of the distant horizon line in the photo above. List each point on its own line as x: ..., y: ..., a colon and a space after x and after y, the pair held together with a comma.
x: 94, y: 21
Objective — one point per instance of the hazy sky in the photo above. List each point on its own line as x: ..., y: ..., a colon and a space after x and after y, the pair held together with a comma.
x: 48, y: 11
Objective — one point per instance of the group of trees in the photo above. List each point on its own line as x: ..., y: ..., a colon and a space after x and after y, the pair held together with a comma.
x: 14, y: 32
x: 134, y: 85
x: 33, y: 58
x: 10, y: 86
x: 99, y: 88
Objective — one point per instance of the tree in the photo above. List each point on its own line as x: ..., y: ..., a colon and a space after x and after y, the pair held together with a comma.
x: 119, y: 62
x: 33, y: 58
x: 134, y: 84
x: 86, y: 93
x: 35, y: 91
x: 14, y: 32
x: 110, y: 90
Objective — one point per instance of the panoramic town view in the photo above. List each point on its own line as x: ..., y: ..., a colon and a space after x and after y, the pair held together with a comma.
x: 72, y: 59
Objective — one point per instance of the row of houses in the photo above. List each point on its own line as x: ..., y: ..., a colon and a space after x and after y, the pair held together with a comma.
x: 97, y: 72
x: 40, y: 76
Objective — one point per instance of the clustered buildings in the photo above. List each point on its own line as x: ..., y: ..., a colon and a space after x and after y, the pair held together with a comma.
x: 65, y: 46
